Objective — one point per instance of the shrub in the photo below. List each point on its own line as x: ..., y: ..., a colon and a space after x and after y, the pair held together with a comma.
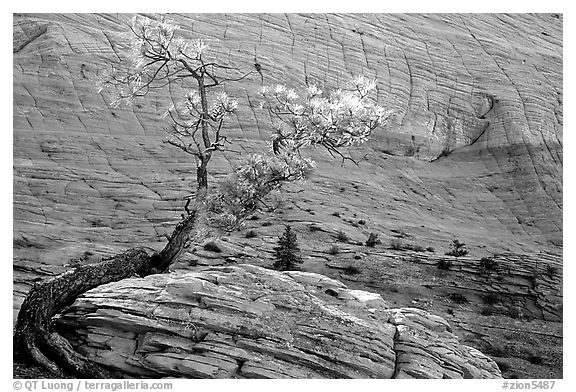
x: 361, y: 222
x: 336, y: 214
x: 250, y: 234
x: 211, y: 246
x: 444, y: 264
x: 372, y: 240
x: 341, y: 236
x: 488, y: 264
x: 287, y: 253
x: 410, y: 151
x: 351, y: 270
x: 533, y: 279
x: 457, y: 249
x: 495, y: 351
x: 551, y: 270
x: 334, y: 250
x: 417, y: 248
x: 314, y: 228
x: 399, y: 233
x: 458, y: 298
x: 487, y: 311
x: 491, y: 299
x: 396, y: 244
x: 535, y: 360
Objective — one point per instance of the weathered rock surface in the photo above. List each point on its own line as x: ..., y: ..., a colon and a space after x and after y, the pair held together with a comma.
x: 474, y: 153
x: 250, y: 322
x: 511, y: 311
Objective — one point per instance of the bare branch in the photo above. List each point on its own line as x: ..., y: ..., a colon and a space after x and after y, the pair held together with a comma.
x: 226, y: 80
x: 181, y: 146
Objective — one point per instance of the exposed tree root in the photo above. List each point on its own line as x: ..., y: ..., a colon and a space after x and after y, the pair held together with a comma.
x: 35, y: 337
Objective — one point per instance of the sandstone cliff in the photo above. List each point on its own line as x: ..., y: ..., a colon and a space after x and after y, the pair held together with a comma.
x: 474, y: 152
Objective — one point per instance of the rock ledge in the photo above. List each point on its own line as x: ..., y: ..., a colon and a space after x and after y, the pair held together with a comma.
x: 250, y: 322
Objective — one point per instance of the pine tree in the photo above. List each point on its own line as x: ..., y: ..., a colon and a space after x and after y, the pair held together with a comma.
x: 287, y: 252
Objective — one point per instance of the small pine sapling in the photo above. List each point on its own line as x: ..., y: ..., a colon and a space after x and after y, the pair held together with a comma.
x: 287, y: 253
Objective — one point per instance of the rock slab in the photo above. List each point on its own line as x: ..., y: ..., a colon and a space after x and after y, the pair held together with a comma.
x: 250, y: 322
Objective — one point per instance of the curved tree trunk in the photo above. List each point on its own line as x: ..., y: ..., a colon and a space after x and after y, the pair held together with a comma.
x: 202, y: 172
x: 35, y: 337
